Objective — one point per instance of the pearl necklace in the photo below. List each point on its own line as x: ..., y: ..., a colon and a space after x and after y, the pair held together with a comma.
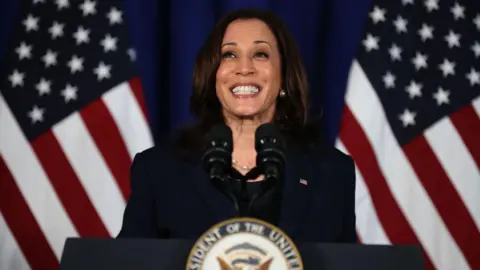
x: 242, y: 167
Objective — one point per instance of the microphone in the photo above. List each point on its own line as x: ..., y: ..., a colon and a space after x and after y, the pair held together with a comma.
x: 217, y: 159
x: 270, y: 148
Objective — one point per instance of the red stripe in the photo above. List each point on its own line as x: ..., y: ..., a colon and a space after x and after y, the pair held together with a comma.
x: 467, y: 123
x: 446, y: 199
x: 109, y: 141
x: 68, y: 187
x: 137, y: 89
x: 390, y: 215
x: 21, y: 222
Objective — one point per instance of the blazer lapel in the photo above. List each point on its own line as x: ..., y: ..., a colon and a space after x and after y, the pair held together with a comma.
x: 297, y: 194
x: 217, y: 204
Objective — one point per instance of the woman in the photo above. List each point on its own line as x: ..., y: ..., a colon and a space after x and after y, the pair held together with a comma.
x: 248, y: 72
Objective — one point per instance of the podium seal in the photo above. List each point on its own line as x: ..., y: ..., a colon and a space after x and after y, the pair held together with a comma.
x: 244, y: 243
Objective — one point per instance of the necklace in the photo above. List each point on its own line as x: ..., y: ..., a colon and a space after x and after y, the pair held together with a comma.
x: 242, y: 167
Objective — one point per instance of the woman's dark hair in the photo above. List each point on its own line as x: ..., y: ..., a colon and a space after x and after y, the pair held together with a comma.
x: 291, y: 115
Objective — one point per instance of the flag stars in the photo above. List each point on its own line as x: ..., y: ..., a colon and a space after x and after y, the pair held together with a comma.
x: 389, y: 80
x: 61, y: 4
x: 81, y: 35
x: 414, y: 89
x: 442, y: 96
x: 453, y: 39
x: 50, y: 58
x: 406, y: 2
x: 395, y: 52
x: 420, y: 61
x: 431, y: 5
x: 88, y: 8
x: 24, y: 51
x: 114, y: 16
x: 109, y: 43
x: 476, y: 49
x: 426, y: 32
x: 458, y: 11
x: 408, y: 118
x: 476, y: 21
x: 474, y: 77
x: 400, y: 24
x: 36, y: 114
x: 377, y: 15
x: 43, y: 87
x: 69, y: 93
x: 38, y: 1
x: 75, y: 64
x: 16, y: 78
x: 371, y: 43
x: 31, y: 23
x: 56, y: 30
x: 447, y: 67
x: 102, y: 71
x: 132, y: 54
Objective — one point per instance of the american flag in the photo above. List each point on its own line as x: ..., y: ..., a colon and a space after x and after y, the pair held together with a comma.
x: 411, y: 122
x: 72, y: 116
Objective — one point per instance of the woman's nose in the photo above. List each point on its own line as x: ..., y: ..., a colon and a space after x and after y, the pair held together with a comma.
x: 245, y: 66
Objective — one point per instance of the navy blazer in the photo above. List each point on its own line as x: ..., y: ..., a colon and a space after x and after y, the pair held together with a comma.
x: 172, y: 197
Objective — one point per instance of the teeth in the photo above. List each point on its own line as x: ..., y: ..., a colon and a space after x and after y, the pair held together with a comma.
x: 245, y: 90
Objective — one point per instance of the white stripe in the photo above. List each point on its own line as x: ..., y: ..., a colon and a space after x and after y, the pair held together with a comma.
x: 128, y: 116
x: 33, y: 182
x: 92, y: 171
x: 458, y: 164
x: 476, y: 105
x: 400, y: 176
x: 11, y: 257
x: 368, y: 225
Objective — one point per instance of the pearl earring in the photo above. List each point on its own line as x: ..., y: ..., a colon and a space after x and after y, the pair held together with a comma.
x: 283, y: 93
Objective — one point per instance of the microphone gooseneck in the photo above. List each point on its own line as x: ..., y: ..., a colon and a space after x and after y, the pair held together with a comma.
x: 217, y: 160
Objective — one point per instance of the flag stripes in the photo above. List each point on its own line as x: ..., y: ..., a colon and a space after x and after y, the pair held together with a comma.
x: 389, y: 213
x: 406, y: 190
x: 126, y: 110
x: 443, y: 195
x: 33, y: 184
x: 368, y: 224
x: 70, y: 186
x: 467, y: 122
x: 11, y: 256
x: 458, y: 164
x: 106, y: 135
x: 67, y: 186
x: 136, y: 86
x: 27, y: 233
x: 92, y: 170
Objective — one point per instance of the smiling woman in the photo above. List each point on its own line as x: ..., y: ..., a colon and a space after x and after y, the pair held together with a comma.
x: 248, y: 73
x: 249, y: 76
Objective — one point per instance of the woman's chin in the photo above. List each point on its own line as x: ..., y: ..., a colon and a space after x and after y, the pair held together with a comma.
x: 245, y: 113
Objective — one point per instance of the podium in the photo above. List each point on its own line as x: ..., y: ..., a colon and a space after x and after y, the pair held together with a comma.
x: 139, y: 254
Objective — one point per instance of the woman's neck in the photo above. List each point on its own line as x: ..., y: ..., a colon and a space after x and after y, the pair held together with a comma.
x: 243, y: 133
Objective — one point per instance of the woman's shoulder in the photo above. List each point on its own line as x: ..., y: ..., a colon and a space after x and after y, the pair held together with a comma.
x: 328, y: 154
x: 167, y: 149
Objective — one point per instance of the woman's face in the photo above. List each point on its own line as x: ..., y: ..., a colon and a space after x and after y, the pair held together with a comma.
x: 248, y: 79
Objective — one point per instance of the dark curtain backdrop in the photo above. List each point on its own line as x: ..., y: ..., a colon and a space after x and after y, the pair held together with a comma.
x: 168, y: 34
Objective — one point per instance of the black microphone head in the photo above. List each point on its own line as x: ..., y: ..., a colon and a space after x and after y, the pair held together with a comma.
x: 217, y: 157
x: 267, y: 135
x: 222, y: 134
x: 270, y: 145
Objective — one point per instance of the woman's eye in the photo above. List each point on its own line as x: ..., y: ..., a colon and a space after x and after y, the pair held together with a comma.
x: 261, y: 55
x: 228, y: 55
